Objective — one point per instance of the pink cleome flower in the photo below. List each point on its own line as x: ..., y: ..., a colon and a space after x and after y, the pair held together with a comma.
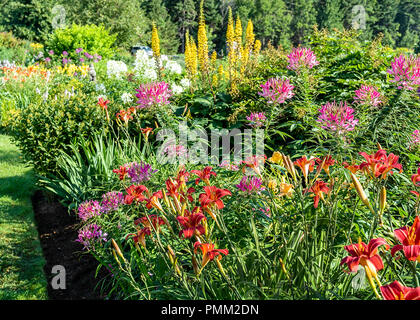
x: 152, y: 94
x: 337, y: 117
x: 256, y: 120
x: 277, y: 90
x: 301, y: 58
x: 406, y: 72
x: 250, y: 184
x: 368, y: 95
x: 415, y: 139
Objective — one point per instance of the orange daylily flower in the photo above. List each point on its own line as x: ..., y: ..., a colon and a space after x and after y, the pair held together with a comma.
x: 318, y: 188
x: 209, y: 253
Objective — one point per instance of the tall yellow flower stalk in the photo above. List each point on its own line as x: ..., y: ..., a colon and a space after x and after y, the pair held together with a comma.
x: 190, y: 55
x: 156, y: 47
x: 203, y: 49
x: 249, y: 40
x: 238, y: 34
x: 230, y: 39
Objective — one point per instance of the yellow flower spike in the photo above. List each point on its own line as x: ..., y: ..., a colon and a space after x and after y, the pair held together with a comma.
x: 155, y: 41
x: 238, y: 33
x: 361, y: 192
x: 250, y: 36
x: 257, y: 47
x: 203, y: 50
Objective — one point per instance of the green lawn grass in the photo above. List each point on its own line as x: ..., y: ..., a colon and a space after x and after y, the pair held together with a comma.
x: 21, y: 261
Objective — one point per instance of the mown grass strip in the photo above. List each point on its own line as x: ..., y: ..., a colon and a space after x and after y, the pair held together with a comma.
x: 21, y: 260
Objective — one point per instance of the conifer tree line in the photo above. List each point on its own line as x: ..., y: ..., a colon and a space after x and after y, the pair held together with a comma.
x: 281, y: 22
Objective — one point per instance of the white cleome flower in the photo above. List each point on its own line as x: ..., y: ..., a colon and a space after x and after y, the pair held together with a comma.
x: 185, y: 83
x: 173, y: 67
x: 176, y: 89
x: 116, y: 68
x: 126, y: 97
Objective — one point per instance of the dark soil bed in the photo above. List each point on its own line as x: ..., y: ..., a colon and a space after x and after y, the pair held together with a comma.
x: 57, y: 231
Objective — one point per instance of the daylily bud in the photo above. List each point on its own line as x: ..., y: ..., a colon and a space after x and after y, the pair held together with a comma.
x: 116, y: 258
x: 195, y: 265
x: 117, y: 249
x: 382, y: 202
x: 361, y: 192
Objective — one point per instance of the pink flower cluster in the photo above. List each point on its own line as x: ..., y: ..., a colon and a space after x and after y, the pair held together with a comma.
x: 415, y: 139
x: 277, y: 90
x: 229, y: 166
x: 301, y: 58
x: 89, y: 209
x: 406, y: 72
x: 89, y: 234
x: 250, y: 184
x: 337, y: 117
x: 368, y: 95
x: 152, y: 94
x: 256, y: 120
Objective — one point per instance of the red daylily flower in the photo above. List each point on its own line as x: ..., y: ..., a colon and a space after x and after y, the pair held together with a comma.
x: 253, y: 162
x: 153, y: 201
x: 396, y: 291
x: 318, y: 189
x: 140, y: 236
x: 353, y: 168
x: 204, y: 175
x: 122, y: 172
x: 146, y: 132
x: 124, y: 115
x: 379, y: 164
x: 103, y: 103
x: 154, y: 219
x: 415, y: 178
x: 135, y: 192
x: 365, y: 255
x: 325, y: 163
x: 305, y: 165
x: 209, y: 253
x: 212, y: 196
x: 410, y: 239
x: 191, y: 225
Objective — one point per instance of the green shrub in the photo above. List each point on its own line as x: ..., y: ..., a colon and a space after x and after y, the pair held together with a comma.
x: 91, y: 38
x: 44, y: 129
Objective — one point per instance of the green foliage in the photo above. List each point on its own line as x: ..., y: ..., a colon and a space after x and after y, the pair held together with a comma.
x: 123, y: 18
x: 91, y: 38
x: 45, y: 128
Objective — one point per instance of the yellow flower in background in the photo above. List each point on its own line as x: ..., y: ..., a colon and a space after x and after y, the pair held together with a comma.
x: 276, y: 158
x: 250, y: 36
x: 286, y: 189
x: 257, y: 47
x: 36, y: 46
x: 238, y: 33
x: 155, y: 41
x: 203, y: 49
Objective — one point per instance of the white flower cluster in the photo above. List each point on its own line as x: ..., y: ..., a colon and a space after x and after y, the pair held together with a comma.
x: 7, y: 64
x: 116, y: 68
x: 144, y: 66
x: 127, y: 97
x: 183, y: 84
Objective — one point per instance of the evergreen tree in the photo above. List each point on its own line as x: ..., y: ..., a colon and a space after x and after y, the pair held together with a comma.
x: 360, y: 13
x: 186, y: 19
x: 330, y: 14
x: 272, y: 22
x: 168, y: 31
x: 123, y: 17
x: 408, y: 18
x: 304, y: 18
x: 386, y: 12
